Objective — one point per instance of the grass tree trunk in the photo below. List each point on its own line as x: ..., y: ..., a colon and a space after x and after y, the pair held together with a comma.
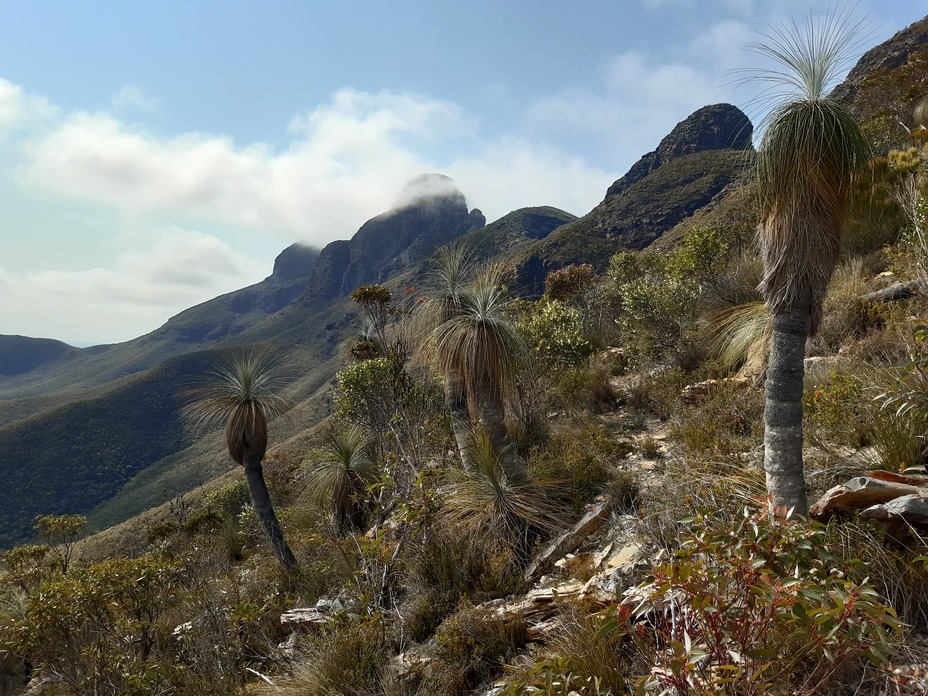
x: 783, y: 411
x: 264, y: 509
x: 460, y: 417
x: 493, y: 422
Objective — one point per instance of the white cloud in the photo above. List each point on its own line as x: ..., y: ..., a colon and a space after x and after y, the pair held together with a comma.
x: 146, y: 285
x: 17, y: 109
x: 345, y: 164
x: 133, y: 97
x: 638, y: 100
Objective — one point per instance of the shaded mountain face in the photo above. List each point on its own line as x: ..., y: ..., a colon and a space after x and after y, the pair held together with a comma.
x: 883, y: 87
x: 296, y: 262
x: 21, y: 354
x: 516, y: 229
x: 429, y: 213
x: 703, y: 156
x: 715, y: 127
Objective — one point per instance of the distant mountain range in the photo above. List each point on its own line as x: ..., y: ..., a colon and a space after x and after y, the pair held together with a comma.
x: 97, y: 430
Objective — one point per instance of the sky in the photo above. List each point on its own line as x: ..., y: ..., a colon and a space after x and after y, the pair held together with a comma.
x: 154, y: 155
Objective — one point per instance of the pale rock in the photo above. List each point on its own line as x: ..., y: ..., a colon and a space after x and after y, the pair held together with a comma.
x: 594, y: 519
x: 859, y: 493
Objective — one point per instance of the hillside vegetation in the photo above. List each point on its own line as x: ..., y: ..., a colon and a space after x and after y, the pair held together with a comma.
x: 529, y: 460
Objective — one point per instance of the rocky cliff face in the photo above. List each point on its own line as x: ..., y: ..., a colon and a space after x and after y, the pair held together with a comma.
x: 881, y: 90
x: 429, y: 213
x: 295, y: 262
x: 897, y: 52
x: 700, y: 158
x: 715, y: 127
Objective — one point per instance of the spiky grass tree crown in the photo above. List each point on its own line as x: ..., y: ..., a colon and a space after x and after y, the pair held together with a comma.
x: 920, y: 114
x: 484, y: 505
x: 810, y: 150
x: 241, y: 393
x: 337, y: 473
x: 479, y: 342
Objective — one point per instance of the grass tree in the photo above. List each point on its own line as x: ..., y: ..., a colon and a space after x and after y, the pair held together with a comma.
x: 242, y: 394
x: 338, y: 474
x: 505, y: 515
x: 477, y: 349
x: 810, y: 150
x: 452, y: 269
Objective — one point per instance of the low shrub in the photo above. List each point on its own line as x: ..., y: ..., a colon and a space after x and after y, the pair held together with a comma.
x: 472, y: 645
x: 346, y: 660
x: 727, y: 422
x: 750, y: 606
x: 582, y: 457
x: 582, y: 657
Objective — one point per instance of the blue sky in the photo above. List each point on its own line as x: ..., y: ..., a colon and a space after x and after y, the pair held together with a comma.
x: 156, y: 154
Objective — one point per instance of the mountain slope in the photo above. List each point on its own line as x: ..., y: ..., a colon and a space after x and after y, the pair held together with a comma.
x: 700, y: 159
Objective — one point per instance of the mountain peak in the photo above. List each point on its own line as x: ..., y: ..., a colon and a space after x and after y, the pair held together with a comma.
x: 429, y: 212
x: 428, y: 187
x: 713, y: 127
x: 295, y: 262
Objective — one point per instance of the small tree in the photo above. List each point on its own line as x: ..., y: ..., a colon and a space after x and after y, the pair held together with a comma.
x: 64, y: 531
x: 337, y: 475
x: 374, y: 301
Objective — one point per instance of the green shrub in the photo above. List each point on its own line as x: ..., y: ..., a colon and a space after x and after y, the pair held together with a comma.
x: 26, y: 566
x: 97, y: 629
x: 837, y: 410
x: 472, y: 645
x: 443, y: 569
x: 554, y: 332
x: 63, y: 531
x: 724, y: 424
x: 657, y: 392
x: 750, y: 606
x: 582, y: 457
x: 230, y: 500
x: 586, y: 387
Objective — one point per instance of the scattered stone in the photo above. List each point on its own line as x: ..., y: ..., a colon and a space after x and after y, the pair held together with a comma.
x: 896, y: 291
x: 627, y: 557
x: 576, y: 564
x: 287, y: 649
x: 859, y: 493
x: 590, y: 523
x: 695, y: 393
x: 908, y: 509
x: 602, y: 555
x: 819, y: 361
x: 304, y: 619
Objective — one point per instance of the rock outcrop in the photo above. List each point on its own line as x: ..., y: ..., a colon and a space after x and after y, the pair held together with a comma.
x: 429, y: 213
x: 703, y: 157
x: 295, y: 262
x: 714, y: 127
x: 897, y: 52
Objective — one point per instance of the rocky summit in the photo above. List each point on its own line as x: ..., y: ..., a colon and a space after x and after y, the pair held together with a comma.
x: 429, y: 212
x: 714, y: 127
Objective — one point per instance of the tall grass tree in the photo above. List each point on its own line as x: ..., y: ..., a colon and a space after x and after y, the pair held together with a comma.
x: 242, y: 394
x: 477, y: 349
x: 810, y: 150
x: 452, y: 268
